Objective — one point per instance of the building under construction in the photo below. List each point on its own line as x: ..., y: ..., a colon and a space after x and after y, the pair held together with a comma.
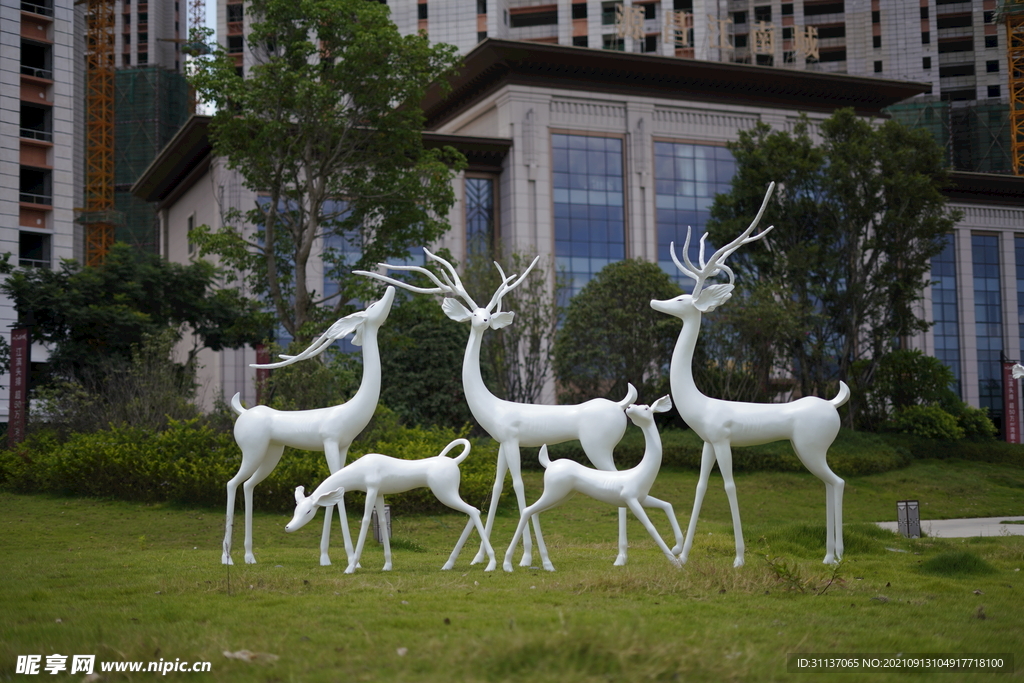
x: 150, y: 105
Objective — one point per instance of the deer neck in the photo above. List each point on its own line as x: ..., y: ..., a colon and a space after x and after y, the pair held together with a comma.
x: 478, y: 396
x: 365, y: 399
x: 651, y: 462
x: 685, y: 395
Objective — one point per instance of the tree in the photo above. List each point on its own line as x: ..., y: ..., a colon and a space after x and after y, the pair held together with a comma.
x: 326, y: 126
x: 858, y: 216
x: 97, y: 316
x: 612, y: 336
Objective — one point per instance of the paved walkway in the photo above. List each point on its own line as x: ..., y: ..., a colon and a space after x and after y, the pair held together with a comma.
x: 966, y: 528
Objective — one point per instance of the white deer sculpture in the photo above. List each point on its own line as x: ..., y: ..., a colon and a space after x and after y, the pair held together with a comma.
x: 381, y: 474
x: 563, y: 478
x: 598, y: 424
x: 810, y: 423
x: 262, y: 432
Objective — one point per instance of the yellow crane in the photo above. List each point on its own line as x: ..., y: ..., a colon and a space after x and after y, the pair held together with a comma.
x: 98, y: 215
x: 1012, y: 12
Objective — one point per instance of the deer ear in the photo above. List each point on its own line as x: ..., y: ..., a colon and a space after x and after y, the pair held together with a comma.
x: 300, y: 494
x: 500, y: 320
x: 712, y: 297
x: 663, y: 404
x: 331, y: 497
x: 456, y: 311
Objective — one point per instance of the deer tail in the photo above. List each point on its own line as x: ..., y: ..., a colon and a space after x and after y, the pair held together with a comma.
x: 236, y: 403
x: 630, y: 397
x: 843, y: 396
x: 461, y: 456
x: 543, y: 456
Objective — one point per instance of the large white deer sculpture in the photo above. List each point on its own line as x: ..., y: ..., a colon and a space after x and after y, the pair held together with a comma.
x: 810, y: 423
x: 598, y: 424
x: 262, y: 432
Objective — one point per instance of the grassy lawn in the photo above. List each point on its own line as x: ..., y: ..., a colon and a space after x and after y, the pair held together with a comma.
x: 144, y: 582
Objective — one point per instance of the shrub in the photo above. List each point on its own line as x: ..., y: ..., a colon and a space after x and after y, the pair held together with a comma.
x: 976, y: 423
x: 980, y: 451
x: 852, y: 453
x: 190, y: 463
x: 930, y: 422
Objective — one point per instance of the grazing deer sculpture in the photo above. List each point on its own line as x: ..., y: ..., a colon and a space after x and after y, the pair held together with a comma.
x: 598, y: 424
x: 810, y: 423
x: 262, y: 432
x: 630, y: 488
x: 381, y: 474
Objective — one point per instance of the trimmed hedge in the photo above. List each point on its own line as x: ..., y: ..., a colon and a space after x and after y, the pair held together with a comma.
x: 982, y: 450
x: 191, y: 463
x: 853, y: 453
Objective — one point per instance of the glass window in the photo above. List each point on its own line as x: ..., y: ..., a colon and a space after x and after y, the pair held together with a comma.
x: 479, y: 216
x: 946, y: 331
x: 590, y: 227
x: 687, y: 178
x: 988, y: 313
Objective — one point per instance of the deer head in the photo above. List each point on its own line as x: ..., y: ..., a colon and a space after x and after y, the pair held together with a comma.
x: 642, y: 415
x: 705, y: 298
x: 481, y: 317
x: 305, y: 506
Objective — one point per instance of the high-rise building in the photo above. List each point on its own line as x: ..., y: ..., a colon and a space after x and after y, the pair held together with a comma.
x: 42, y: 129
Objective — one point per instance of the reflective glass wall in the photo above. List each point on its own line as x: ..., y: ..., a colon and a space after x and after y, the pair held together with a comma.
x: 988, y: 313
x: 946, y: 330
x: 589, y: 205
x: 687, y: 178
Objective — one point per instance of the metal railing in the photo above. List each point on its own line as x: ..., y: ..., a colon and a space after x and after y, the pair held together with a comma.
x: 34, y: 8
x: 32, y: 198
x: 34, y: 263
x: 33, y: 134
x: 38, y: 73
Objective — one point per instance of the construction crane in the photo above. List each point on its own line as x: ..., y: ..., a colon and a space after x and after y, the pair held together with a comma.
x: 98, y: 216
x: 1012, y: 12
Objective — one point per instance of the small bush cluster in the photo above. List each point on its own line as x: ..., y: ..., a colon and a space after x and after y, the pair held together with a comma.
x: 190, y: 463
x: 852, y: 453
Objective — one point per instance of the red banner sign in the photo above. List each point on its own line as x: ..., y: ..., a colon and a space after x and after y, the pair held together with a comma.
x: 1011, y: 405
x: 20, y: 359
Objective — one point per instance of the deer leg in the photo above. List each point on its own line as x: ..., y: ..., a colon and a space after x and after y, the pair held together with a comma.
x: 512, y: 459
x: 599, y: 452
x: 499, y: 484
x: 646, y: 521
x: 270, y: 461
x: 384, y: 536
x: 652, y: 502
x: 723, y: 451
x: 371, y: 498
x: 457, y: 503
x: 549, y: 499
x: 229, y: 523
x: 707, y: 461
x: 335, y: 461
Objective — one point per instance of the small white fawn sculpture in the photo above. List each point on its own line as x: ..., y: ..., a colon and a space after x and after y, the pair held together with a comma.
x: 598, y: 424
x: 262, y: 432
x: 381, y: 474
x: 810, y: 423
x: 629, y: 488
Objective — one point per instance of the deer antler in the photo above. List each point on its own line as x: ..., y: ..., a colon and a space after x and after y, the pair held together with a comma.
x: 452, y: 285
x: 715, y: 265
x: 508, y: 284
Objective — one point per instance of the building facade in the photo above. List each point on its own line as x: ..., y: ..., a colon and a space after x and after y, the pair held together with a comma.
x: 42, y: 129
x: 590, y: 156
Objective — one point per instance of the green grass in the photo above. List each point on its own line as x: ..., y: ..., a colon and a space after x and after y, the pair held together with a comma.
x: 128, y: 581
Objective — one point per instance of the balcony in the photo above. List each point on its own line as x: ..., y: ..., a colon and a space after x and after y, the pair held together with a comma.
x: 33, y: 198
x: 43, y: 10
x: 36, y: 72
x: 41, y: 135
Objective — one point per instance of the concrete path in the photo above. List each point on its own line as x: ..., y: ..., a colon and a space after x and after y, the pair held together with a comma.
x: 966, y: 528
